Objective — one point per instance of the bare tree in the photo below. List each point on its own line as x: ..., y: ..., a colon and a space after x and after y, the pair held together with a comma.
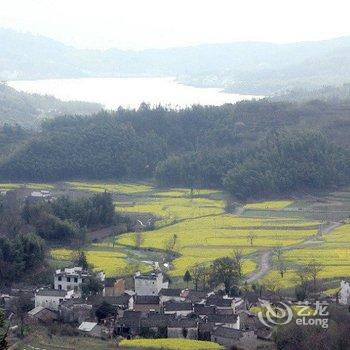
x: 251, y: 236
x: 282, y: 266
x: 314, y: 268
x: 277, y: 251
x: 196, y: 272
x: 238, y: 259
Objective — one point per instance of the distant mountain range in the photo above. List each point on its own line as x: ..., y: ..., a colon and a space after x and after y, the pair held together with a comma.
x: 246, y: 67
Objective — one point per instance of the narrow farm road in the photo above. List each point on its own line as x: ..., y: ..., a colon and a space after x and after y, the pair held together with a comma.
x: 265, y: 266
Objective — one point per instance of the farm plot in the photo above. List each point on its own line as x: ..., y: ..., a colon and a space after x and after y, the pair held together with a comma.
x: 332, y: 254
x: 200, y: 231
x: 193, y: 225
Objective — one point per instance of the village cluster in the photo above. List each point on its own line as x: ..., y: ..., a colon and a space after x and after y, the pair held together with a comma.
x: 146, y: 307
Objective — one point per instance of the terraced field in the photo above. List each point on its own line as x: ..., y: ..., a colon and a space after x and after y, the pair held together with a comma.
x: 196, y: 227
x: 332, y: 252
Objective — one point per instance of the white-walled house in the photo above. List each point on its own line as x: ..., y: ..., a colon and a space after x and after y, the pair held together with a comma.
x: 72, y: 278
x: 51, y: 299
x: 149, y: 284
x: 344, y: 293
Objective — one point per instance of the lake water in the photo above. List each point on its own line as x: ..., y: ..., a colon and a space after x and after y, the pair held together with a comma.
x: 128, y: 92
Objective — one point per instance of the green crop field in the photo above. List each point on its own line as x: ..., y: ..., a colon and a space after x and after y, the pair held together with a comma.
x: 332, y: 253
x: 196, y: 227
x: 196, y: 223
x: 169, y: 344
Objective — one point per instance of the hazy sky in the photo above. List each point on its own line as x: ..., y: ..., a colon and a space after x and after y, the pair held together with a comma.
x: 142, y: 24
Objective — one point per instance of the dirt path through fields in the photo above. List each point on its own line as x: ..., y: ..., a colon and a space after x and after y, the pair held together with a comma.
x: 265, y: 257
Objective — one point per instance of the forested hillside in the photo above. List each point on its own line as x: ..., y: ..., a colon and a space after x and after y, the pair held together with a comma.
x: 268, y: 144
x: 29, y: 109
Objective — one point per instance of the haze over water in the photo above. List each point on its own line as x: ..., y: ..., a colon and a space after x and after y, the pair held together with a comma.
x: 128, y: 92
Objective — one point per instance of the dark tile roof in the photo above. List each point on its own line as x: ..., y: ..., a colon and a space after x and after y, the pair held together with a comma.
x: 121, y: 300
x: 74, y: 301
x: 195, y: 295
x: 226, y: 332
x: 130, y: 318
x: 177, y: 306
x: 201, y: 309
x: 151, y: 276
x: 132, y: 314
x: 219, y: 301
x: 52, y: 293
x: 206, y: 327
x: 147, y: 300
x: 170, y: 292
x: 182, y: 323
x: 223, y: 318
x: 157, y: 320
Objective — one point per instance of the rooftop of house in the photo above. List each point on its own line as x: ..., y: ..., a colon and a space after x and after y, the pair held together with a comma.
x: 226, y: 332
x: 156, y: 320
x: 219, y: 301
x: 194, y: 295
x: 51, y: 293
x: 87, y: 326
x: 75, y: 301
x: 182, y: 323
x: 201, y: 309
x: 35, y: 310
x: 150, y: 276
x: 71, y: 271
x: 178, y: 306
x: 223, y: 318
x: 147, y: 300
x: 43, y: 314
x: 170, y: 292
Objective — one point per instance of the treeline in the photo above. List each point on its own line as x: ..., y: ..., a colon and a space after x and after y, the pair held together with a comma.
x: 27, y: 228
x: 23, y: 253
x: 252, y: 148
x: 17, y: 107
x: 66, y: 220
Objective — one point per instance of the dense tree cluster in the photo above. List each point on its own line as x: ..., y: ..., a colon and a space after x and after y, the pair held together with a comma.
x: 20, y: 254
x: 287, y: 163
x: 251, y: 148
x: 66, y: 220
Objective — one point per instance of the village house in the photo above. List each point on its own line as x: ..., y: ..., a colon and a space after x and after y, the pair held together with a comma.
x: 168, y: 294
x: 129, y: 324
x: 41, y: 315
x: 194, y: 296
x: 183, y: 328
x: 72, y: 279
x: 178, y: 308
x: 114, y: 287
x: 232, y: 338
x: 228, y: 321
x: 75, y: 311
x: 224, y: 304
x: 149, y: 284
x: 155, y: 324
x: 205, y: 330
x: 91, y: 329
x: 147, y: 303
x: 202, y: 310
x: 344, y: 293
x: 51, y: 299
